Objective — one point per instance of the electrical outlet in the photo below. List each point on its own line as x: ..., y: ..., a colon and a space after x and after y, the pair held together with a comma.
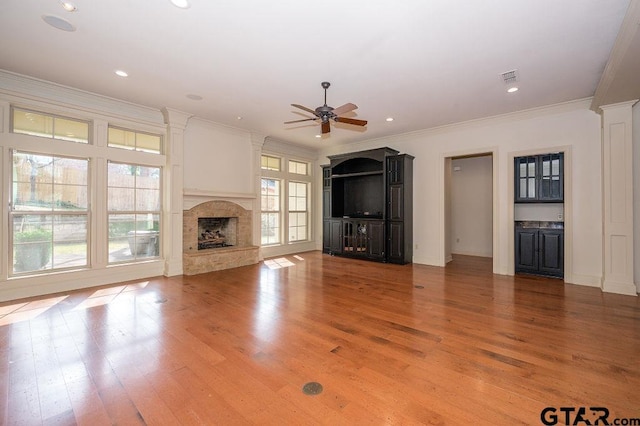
x: 560, y: 216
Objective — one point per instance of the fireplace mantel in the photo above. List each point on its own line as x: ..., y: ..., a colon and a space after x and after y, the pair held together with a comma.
x: 200, y: 261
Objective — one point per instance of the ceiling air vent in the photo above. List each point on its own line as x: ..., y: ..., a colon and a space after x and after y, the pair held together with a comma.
x: 510, y: 77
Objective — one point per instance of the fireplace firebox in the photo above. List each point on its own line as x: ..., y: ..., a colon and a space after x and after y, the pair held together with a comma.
x: 215, y: 232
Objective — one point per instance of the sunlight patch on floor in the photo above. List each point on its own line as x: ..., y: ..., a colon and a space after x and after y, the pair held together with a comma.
x: 26, y: 311
x: 107, y: 295
x: 280, y: 262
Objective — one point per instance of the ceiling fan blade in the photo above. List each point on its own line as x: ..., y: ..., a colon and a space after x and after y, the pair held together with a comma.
x: 351, y: 121
x: 299, y: 121
x: 344, y: 109
x: 326, y: 127
x: 304, y: 108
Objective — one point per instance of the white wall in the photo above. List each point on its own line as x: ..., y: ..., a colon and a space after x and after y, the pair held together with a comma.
x: 472, y: 206
x: 218, y: 159
x: 571, y: 128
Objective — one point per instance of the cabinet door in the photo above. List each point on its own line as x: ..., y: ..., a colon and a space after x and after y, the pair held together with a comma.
x: 551, y: 177
x: 526, y: 245
x: 326, y: 203
x: 360, y: 240
x: 395, y: 170
x: 526, y: 185
x: 326, y: 177
x: 375, y: 233
x: 335, y: 236
x: 396, y: 242
x: 396, y: 202
x: 552, y: 252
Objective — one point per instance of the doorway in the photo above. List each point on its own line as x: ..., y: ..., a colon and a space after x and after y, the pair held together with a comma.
x: 469, y: 206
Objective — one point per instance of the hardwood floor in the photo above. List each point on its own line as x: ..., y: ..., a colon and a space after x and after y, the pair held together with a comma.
x: 389, y: 344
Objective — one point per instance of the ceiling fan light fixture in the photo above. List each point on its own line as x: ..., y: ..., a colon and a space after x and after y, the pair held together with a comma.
x: 68, y: 6
x: 59, y: 23
x: 182, y: 4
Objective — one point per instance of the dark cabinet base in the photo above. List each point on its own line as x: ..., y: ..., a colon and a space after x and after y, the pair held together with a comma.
x: 356, y: 238
x: 539, y: 251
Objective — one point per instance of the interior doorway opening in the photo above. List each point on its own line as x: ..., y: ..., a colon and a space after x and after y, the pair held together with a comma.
x: 469, y: 206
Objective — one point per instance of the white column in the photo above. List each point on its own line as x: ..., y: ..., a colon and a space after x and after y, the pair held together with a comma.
x: 173, y: 183
x: 257, y: 141
x: 617, y: 190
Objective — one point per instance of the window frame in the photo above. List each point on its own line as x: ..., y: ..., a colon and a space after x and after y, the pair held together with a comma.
x: 291, y: 211
x: 285, y: 177
x: 13, y: 213
x: 135, y: 147
x: 109, y: 213
x: 53, y: 116
x: 271, y: 212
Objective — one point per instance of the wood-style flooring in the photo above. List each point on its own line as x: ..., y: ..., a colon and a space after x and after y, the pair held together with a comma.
x: 389, y: 344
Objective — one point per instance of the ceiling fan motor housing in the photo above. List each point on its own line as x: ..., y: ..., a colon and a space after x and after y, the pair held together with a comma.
x: 325, y: 113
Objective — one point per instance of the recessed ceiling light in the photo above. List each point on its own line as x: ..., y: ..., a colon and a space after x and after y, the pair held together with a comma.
x: 122, y: 73
x: 58, y: 23
x: 512, y: 89
x: 318, y: 136
x: 239, y: 117
x: 182, y: 4
x: 194, y: 97
x: 68, y: 6
x: 389, y: 118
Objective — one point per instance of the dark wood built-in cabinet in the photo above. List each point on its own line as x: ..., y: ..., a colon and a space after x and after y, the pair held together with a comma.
x: 400, y: 208
x: 367, y: 205
x: 539, y: 244
x: 539, y: 178
x: 540, y: 248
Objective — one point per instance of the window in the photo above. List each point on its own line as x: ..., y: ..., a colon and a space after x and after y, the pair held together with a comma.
x: 49, y: 126
x: 49, y: 214
x: 134, y: 141
x: 284, y: 190
x: 133, y: 212
x: 270, y: 163
x: 270, y: 201
x: 298, y: 211
x: 297, y: 167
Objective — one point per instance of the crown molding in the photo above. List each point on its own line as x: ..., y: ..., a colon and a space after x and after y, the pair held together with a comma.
x: 36, y: 90
x: 624, y: 40
x: 277, y: 146
x: 564, y: 107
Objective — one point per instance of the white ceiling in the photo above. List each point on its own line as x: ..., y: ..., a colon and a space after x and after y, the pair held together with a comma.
x: 426, y: 63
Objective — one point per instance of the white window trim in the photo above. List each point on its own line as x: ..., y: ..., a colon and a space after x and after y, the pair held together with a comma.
x: 285, y: 177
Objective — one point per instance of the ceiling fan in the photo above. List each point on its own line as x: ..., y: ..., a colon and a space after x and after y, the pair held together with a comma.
x: 325, y: 113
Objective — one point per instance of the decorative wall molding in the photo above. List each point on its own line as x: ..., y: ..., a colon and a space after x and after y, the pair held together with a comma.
x: 40, y: 90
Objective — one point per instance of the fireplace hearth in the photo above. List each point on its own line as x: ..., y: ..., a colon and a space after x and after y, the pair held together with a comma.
x: 217, y: 235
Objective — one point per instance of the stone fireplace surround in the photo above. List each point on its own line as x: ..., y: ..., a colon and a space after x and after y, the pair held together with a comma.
x: 200, y: 261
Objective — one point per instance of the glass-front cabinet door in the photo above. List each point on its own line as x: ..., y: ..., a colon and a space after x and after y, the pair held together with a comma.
x: 551, y: 177
x: 526, y: 185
